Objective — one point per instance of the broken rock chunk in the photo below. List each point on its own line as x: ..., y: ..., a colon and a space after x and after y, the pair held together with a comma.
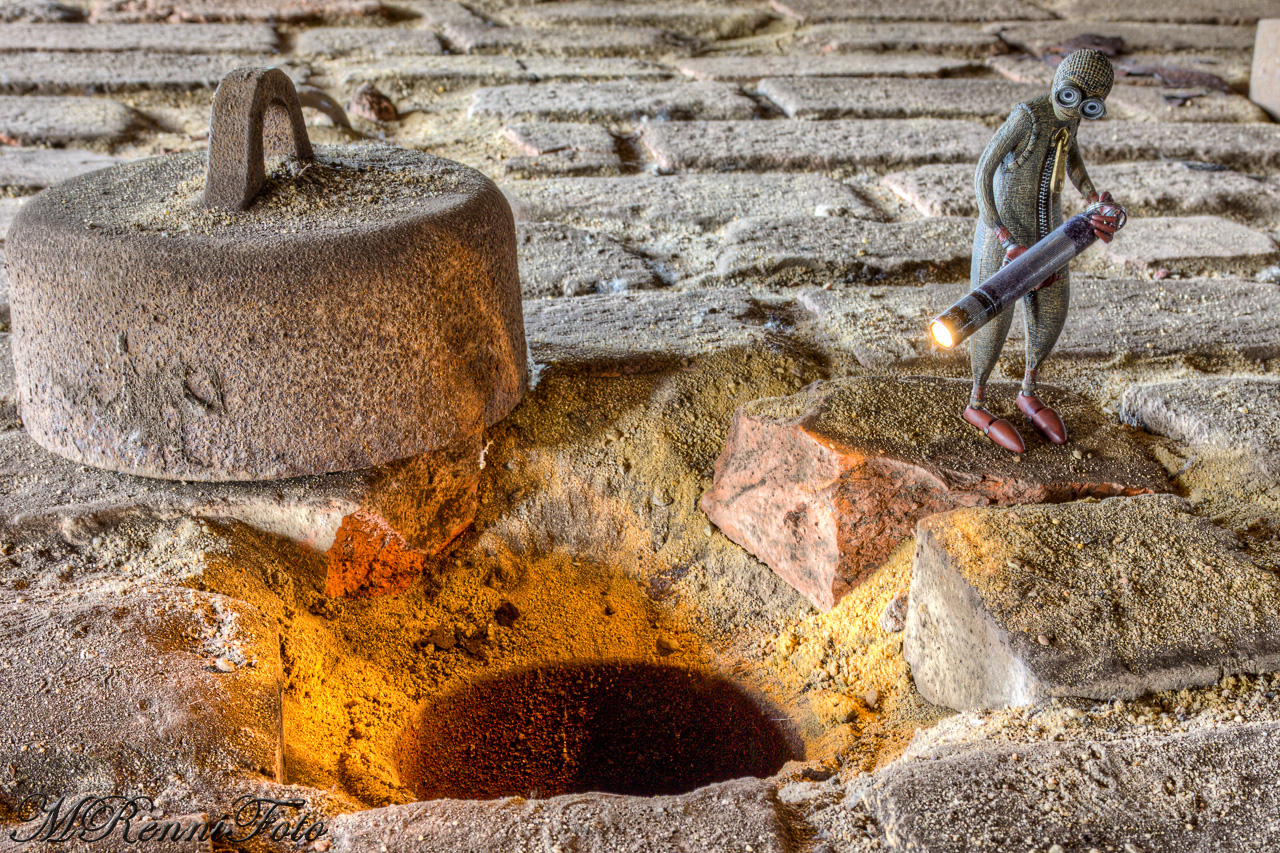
x: 1098, y: 599
x: 822, y: 485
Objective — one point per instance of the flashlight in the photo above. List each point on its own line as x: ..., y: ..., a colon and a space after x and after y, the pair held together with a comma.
x: 1021, y: 276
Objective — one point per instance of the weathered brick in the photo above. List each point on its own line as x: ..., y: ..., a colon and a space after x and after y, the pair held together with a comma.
x: 1145, y: 189
x: 551, y: 69
x: 367, y: 41
x: 750, y: 68
x: 834, y: 250
x: 214, y: 11
x: 8, y: 210
x: 737, y: 814
x: 1264, y: 83
x: 557, y: 260
x: 1148, y: 103
x: 435, y: 14
x: 1136, y: 793
x: 1173, y: 11
x: 818, y: 11
x: 621, y: 100
x: 1240, y: 414
x: 37, y: 119
x: 1191, y: 244
x: 1109, y: 319
x: 401, y: 75
x: 854, y: 97
x: 693, y: 20
x: 562, y: 148
x: 1039, y: 37
x: 1240, y: 146
x: 642, y: 330
x: 25, y: 170
x: 567, y: 41
x: 111, y: 672
x: 794, y: 145
x: 550, y: 137
x: 859, y: 37
x: 703, y: 201
x: 59, y: 72
x: 39, y: 12
x: 155, y: 38
x: 1107, y: 600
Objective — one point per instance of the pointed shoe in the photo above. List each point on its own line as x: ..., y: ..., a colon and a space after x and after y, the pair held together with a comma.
x: 998, y: 430
x: 1043, y: 418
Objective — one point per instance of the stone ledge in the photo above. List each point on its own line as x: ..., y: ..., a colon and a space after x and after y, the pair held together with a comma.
x: 1110, y: 599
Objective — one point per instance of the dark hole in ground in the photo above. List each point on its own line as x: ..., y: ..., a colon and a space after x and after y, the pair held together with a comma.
x: 639, y: 729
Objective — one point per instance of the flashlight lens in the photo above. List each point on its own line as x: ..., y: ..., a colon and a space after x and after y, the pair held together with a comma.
x: 941, y: 334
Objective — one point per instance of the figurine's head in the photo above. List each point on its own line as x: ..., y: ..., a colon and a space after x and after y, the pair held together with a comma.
x: 1081, y: 84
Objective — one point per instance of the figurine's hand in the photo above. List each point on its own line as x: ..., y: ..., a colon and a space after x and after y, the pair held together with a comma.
x: 1014, y: 252
x: 1104, y: 224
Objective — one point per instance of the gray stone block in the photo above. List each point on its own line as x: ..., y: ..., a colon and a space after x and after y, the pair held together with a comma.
x: 1196, y: 792
x: 1264, y: 81
x: 856, y: 97
x: 646, y: 330
x: 792, y: 145
x: 694, y: 20
x: 859, y: 37
x: 1145, y: 189
x: 563, y: 41
x: 39, y: 12
x: 25, y: 170
x: 738, y: 815
x: 1240, y: 414
x: 622, y: 100
x: 745, y: 69
x: 366, y: 41
x: 432, y: 73
x: 232, y: 11
x: 56, y: 72
x: 1109, y: 599
x: 818, y: 11
x: 556, y: 260
x: 845, y: 251
x: 254, y: 39
x: 1148, y: 103
x: 671, y: 201
x: 1038, y: 37
x: 1174, y: 11
x: 50, y: 120
x: 179, y: 681
x: 1190, y: 244
x: 1240, y: 146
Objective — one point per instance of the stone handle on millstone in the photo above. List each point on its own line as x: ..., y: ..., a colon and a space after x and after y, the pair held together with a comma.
x: 254, y: 110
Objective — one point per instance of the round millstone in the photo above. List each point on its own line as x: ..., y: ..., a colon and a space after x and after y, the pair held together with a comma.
x: 364, y: 308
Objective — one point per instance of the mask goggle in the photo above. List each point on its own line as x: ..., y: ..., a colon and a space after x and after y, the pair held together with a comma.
x: 1069, y: 97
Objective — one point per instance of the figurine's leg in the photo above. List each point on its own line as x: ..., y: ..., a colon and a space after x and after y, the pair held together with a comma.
x: 984, y: 349
x: 1046, y: 312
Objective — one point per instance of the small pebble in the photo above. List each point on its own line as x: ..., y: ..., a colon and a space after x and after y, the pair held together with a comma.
x: 224, y: 665
x: 1043, y: 640
x: 668, y: 644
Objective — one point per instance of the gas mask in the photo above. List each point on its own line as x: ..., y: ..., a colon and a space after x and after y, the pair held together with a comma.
x: 1081, y: 84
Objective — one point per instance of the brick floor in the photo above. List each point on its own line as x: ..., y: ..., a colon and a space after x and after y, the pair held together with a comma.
x: 789, y: 176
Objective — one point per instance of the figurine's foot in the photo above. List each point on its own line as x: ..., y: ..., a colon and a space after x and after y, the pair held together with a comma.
x: 1043, y: 418
x: 998, y: 430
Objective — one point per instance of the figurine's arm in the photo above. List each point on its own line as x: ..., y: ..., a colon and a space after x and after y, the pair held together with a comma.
x: 1104, y: 224
x: 1077, y: 172
x: 1011, y: 135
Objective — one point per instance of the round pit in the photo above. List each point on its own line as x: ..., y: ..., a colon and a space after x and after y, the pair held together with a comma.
x: 622, y: 728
